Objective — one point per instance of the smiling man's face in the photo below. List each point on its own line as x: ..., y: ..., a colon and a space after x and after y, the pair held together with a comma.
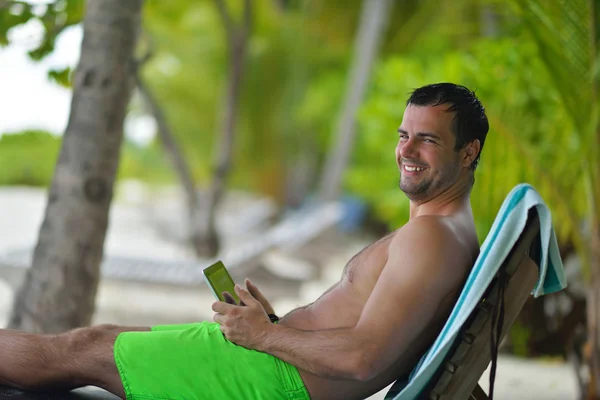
x: 425, y: 153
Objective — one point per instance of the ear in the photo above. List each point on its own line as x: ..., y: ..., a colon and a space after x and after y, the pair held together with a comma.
x: 470, y: 152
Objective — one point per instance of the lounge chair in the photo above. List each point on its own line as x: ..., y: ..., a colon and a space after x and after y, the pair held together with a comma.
x: 519, y: 256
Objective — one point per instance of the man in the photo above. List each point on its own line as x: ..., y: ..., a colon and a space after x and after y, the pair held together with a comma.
x: 363, y: 333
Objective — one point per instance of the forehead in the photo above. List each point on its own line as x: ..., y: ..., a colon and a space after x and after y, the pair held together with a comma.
x: 432, y: 119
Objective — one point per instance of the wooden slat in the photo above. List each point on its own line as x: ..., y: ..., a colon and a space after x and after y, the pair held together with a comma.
x: 468, y: 372
x: 470, y: 357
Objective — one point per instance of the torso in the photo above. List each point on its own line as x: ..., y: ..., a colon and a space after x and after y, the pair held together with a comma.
x: 351, y: 293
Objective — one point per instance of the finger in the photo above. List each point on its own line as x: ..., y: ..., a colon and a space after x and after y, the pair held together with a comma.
x: 246, y: 297
x: 219, y: 318
x: 254, y: 291
x: 249, y: 285
x: 221, y: 307
x: 257, y: 294
x: 229, y: 299
x: 222, y: 329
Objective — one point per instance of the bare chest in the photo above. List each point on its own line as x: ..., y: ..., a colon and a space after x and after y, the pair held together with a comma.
x: 365, y: 267
x: 350, y: 294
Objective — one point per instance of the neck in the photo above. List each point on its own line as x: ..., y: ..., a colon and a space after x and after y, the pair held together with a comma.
x: 449, y: 201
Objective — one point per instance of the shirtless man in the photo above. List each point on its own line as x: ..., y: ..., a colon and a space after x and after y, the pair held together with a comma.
x: 363, y: 333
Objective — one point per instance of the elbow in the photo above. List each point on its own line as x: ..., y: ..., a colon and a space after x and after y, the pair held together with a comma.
x: 364, y: 367
x: 364, y: 374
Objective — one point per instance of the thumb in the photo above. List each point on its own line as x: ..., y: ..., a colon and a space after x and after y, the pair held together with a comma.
x: 257, y: 294
x: 245, y: 296
x: 254, y: 291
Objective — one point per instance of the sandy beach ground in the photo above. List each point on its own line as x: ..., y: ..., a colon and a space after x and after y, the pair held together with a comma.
x: 133, y: 234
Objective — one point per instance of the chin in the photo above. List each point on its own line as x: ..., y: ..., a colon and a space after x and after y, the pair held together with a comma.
x: 410, y: 192
x: 414, y: 192
x: 408, y: 187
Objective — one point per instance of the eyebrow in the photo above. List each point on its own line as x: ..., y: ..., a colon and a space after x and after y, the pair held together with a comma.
x: 422, y: 134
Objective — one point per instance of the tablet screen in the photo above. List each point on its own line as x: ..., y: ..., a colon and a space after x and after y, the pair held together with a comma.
x: 220, y: 281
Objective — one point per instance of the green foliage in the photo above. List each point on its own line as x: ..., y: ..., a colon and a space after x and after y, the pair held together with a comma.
x: 54, y: 16
x: 17, y: 14
x: 295, y: 78
x: 562, y: 32
x: 144, y: 163
x: 521, y: 114
x: 566, y: 36
x: 285, y: 74
x: 58, y: 16
x: 61, y: 76
x: 28, y: 158
x: 186, y: 74
x: 318, y: 111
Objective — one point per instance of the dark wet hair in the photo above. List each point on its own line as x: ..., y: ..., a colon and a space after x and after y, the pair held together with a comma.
x: 470, y: 121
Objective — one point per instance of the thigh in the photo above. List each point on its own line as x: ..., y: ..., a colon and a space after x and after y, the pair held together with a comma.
x: 194, y: 363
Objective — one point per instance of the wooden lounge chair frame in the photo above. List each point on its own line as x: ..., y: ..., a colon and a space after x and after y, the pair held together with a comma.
x: 458, y: 376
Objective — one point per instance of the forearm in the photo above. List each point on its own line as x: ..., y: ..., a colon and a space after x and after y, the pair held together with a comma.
x: 297, y: 318
x: 333, y: 354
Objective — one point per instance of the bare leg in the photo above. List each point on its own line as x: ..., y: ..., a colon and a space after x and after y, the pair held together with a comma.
x: 67, y: 361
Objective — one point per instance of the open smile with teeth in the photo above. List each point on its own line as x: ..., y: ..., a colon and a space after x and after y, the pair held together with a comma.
x: 413, y: 169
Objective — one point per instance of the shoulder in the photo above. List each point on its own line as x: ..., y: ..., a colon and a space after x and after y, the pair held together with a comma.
x: 430, y: 232
x: 428, y: 245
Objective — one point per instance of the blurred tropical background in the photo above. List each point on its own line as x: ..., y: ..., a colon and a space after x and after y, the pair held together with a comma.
x: 226, y: 120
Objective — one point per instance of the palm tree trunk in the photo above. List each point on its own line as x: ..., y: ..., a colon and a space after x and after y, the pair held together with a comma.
x: 237, y: 37
x: 373, y: 23
x: 60, y: 287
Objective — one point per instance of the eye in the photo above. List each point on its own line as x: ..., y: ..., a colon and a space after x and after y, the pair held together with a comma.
x: 403, y: 136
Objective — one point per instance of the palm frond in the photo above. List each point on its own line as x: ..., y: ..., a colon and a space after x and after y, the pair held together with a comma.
x: 562, y: 33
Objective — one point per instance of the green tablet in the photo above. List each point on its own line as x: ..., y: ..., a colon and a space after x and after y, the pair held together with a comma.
x: 219, y: 281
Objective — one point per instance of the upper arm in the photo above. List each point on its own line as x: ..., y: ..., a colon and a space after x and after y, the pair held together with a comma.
x: 416, y: 278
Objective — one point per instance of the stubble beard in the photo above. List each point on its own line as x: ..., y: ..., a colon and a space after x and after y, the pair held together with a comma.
x: 427, y: 187
x: 415, y: 191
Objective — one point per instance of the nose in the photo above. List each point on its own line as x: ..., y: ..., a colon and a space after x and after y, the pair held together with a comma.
x: 408, y: 149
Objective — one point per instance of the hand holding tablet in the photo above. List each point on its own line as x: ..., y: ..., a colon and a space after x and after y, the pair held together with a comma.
x: 222, y: 286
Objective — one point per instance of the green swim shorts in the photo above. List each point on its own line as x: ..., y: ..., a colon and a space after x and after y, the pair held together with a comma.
x: 195, y: 361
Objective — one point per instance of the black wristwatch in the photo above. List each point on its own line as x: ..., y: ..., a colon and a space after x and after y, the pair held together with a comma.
x: 274, y: 318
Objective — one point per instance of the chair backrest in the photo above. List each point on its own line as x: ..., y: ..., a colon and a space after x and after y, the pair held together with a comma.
x: 467, y: 360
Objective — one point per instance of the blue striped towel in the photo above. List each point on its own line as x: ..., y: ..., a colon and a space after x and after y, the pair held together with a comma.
x: 505, y: 231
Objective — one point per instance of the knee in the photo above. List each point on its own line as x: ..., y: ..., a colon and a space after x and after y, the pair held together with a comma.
x: 82, y: 340
x: 88, y: 353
